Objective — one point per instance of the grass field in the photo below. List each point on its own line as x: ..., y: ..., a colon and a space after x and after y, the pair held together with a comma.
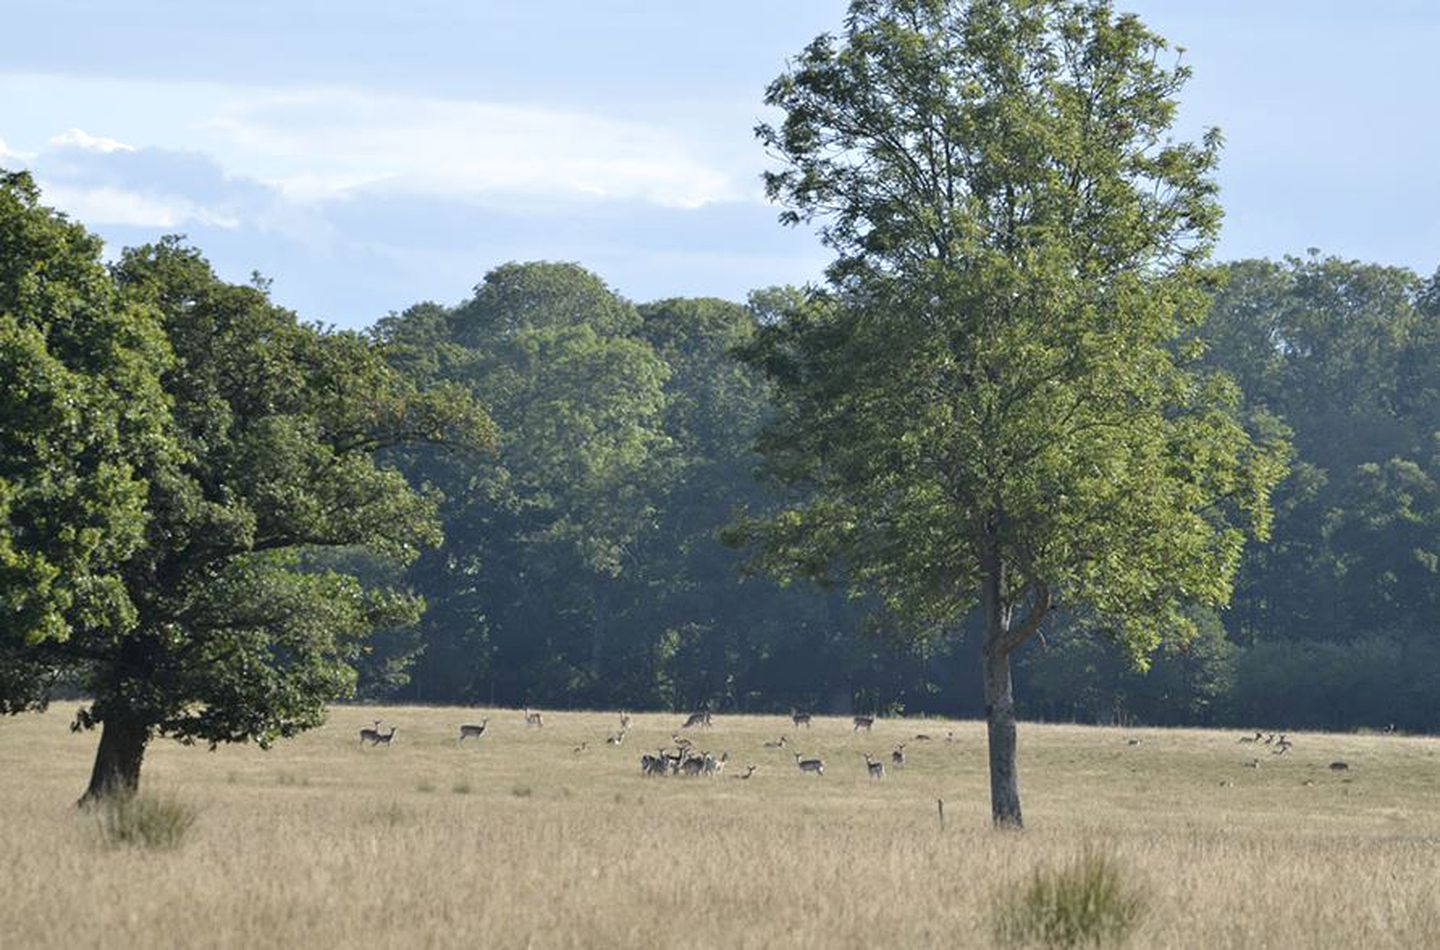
x: 518, y: 840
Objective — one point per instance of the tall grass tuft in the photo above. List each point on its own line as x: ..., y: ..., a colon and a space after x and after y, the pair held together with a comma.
x: 158, y: 822
x: 1087, y: 903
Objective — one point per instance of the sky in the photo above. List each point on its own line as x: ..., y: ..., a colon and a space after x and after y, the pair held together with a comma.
x: 366, y: 156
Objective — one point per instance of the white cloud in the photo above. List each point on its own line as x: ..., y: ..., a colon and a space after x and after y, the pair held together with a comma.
x: 108, y: 205
x: 326, y: 144
x: 79, y: 138
x: 9, y: 154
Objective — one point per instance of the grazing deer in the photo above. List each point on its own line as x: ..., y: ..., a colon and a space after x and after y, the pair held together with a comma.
x: 384, y: 739
x: 1253, y: 764
x: 876, y: 769
x: 697, y: 719
x: 1339, y: 765
x: 1254, y: 738
x: 898, y: 756
x: 777, y: 744
x: 800, y: 719
x: 749, y: 771
x: 863, y: 722
x: 810, y: 765
x: 922, y: 737
x: 371, y: 736
x: 615, y: 738
x: 472, y: 731
x: 534, y: 719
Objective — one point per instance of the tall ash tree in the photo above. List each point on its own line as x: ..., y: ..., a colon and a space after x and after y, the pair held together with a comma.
x: 995, y: 402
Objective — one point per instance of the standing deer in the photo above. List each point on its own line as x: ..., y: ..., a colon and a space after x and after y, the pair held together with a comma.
x: 533, y: 719
x: 876, y: 769
x: 473, y: 731
x: 810, y: 765
x: 384, y: 740
x: 371, y: 736
x: 863, y: 722
x: 800, y: 719
x: 624, y: 722
x: 898, y: 756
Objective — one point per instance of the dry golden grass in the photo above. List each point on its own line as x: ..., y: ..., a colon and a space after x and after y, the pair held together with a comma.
x: 517, y: 841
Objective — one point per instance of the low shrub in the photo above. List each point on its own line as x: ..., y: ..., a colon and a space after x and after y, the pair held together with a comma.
x: 149, y: 821
x: 1087, y: 903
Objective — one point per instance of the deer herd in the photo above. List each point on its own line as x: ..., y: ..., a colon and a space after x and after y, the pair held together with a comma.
x: 684, y: 758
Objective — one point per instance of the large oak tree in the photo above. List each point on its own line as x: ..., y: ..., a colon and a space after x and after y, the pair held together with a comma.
x: 179, y: 450
x: 996, y: 401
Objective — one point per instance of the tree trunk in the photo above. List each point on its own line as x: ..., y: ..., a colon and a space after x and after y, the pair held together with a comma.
x: 1000, y: 697
x: 1000, y: 720
x: 117, y: 760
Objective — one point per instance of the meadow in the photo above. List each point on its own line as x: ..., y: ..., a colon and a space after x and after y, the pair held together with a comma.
x: 549, y: 837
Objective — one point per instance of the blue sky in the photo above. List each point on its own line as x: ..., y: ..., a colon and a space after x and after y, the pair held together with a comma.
x: 369, y: 155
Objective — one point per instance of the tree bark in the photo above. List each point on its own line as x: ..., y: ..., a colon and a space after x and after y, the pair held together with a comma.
x: 117, y: 760
x: 1000, y: 697
x: 1000, y: 722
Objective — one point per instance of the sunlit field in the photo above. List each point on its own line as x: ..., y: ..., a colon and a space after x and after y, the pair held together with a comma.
x: 550, y: 837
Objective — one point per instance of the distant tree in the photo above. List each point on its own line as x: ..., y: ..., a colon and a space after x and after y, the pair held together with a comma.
x: 532, y: 586
x: 233, y: 632
x: 993, y: 402
x: 1344, y: 353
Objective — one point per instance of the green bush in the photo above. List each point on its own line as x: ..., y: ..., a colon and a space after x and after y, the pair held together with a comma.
x: 1085, y: 904
x: 148, y: 821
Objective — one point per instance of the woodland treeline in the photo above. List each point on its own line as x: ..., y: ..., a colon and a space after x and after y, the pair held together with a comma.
x: 582, y: 456
x: 584, y: 563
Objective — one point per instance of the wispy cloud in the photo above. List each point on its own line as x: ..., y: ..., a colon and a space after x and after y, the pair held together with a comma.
x: 79, y: 138
x: 328, y: 144
x: 110, y: 205
x: 8, y: 154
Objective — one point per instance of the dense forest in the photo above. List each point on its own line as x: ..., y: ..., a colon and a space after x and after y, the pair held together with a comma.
x: 582, y: 563
x: 605, y: 447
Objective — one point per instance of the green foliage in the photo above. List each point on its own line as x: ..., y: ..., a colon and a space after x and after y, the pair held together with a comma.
x: 82, y: 415
x: 1079, y: 673
x: 1374, y: 681
x: 155, y: 822
x: 995, y: 388
x: 1346, y: 355
x: 1088, y: 903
